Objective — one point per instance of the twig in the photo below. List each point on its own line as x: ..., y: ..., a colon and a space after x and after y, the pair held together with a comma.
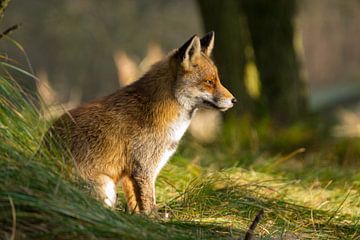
x: 250, y: 233
x: 9, y: 30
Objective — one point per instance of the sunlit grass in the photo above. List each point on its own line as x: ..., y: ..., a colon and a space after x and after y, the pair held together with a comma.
x: 231, y: 198
x: 211, y: 191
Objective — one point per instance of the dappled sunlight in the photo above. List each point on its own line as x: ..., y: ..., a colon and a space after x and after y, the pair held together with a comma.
x: 251, y: 79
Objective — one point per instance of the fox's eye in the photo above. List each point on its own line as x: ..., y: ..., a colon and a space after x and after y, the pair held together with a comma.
x: 209, y: 82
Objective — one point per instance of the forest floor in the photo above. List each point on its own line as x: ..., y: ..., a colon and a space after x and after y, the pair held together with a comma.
x: 308, y: 186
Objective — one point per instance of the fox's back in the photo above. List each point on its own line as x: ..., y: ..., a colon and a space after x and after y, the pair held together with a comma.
x: 133, y: 122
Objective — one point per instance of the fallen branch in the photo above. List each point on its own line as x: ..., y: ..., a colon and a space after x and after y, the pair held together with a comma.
x: 250, y: 233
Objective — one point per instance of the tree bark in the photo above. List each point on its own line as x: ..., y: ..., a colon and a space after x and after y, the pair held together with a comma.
x: 271, y: 26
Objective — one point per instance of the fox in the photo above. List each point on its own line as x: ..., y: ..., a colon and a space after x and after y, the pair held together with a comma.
x: 127, y: 137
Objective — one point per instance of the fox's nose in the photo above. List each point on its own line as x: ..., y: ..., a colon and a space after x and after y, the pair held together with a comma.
x: 233, y: 100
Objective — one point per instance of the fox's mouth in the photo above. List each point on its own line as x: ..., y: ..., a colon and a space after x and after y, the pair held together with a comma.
x: 213, y: 105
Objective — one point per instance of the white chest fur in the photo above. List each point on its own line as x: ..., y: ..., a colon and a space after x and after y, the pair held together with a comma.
x: 175, y: 132
x: 178, y: 127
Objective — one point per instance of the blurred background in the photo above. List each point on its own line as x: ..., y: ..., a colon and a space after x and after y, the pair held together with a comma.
x: 286, y: 61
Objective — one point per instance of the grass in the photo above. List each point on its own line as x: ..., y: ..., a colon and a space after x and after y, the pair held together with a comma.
x: 209, y: 192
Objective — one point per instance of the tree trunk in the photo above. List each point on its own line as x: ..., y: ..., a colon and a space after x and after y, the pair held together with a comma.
x: 271, y: 26
x: 224, y: 18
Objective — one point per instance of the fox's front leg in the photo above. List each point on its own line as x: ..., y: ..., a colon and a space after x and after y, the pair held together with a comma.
x: 145, y: 191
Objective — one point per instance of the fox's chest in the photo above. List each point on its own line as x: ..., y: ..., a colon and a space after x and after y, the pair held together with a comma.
x: 178, y: 128
x: 175, y: 131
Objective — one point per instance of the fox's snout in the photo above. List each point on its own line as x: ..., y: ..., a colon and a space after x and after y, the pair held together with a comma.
x: 220, y: 99
x: 223, y: 98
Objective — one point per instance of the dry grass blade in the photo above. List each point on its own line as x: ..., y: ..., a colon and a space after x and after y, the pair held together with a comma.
x: 13, y: 211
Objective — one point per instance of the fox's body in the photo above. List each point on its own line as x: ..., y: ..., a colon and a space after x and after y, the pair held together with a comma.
x: 129, y: 136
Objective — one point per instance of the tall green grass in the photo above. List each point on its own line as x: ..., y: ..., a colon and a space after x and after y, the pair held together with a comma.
x: 38, y: 196
x: 206, y: 192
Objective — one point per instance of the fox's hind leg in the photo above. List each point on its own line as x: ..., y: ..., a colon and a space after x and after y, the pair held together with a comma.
x: 106, y: 188
x: 131, y: 193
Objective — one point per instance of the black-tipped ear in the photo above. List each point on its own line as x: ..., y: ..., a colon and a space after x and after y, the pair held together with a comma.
x: 188, y: 47
x: 182, y: 49
x: 207, y: 43
x: 189, y: 50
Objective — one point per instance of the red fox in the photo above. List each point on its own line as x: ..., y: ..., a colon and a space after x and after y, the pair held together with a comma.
x: 130, y: 135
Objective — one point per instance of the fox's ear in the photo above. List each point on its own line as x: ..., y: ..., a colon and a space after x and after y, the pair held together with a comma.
x: 189, y: 50
x: 207, y: 43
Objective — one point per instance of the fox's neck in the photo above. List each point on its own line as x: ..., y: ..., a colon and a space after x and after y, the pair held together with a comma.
x: 157, y: 87
x: 158, y: 82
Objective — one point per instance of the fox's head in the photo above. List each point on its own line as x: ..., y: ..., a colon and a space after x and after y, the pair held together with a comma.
x: 198, y: 83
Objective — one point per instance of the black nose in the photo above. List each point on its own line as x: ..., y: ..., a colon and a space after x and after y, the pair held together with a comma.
x: 233, y: 100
